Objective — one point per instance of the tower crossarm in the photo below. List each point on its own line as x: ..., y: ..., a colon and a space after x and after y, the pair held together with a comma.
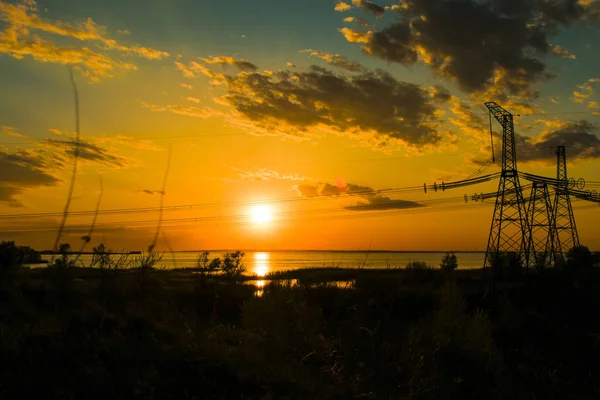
x: 509, y: 154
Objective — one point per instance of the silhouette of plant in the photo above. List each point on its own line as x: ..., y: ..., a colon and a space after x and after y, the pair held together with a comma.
x: 580, y: 258
x: 13, y: 257
x: 103, y: 259
x: 232, y: 266
x: 449, y: 262
x: 64, y: 261
x: 148, y: 260
x: 206, y: 267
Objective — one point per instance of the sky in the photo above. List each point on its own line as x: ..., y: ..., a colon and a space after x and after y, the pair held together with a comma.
x: 286, y: 125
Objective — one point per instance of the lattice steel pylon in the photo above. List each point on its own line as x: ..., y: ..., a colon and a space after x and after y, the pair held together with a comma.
x: 510, y: 231
x: 564, y: 219
x: 542, y: 242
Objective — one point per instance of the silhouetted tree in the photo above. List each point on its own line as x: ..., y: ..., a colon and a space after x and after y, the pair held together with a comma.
x: 449, y: 262
x: 233, y: 266
x: 13, y: 256
x: 580, y: 257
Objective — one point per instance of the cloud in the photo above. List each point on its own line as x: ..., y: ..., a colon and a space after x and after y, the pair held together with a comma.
x: 370, y: 199
x: 335, y: 60
x: 371, y: 104
x: 562, y: 52
x: 585, y: 91
x: 10, y: 131
x: 579, y: 137
x: 20, y: 170
x: 265, y: 174
x: 26, y: 33
x: 87, y: 152
x: 371, y: 7
x: 361, y: 21
x: 193, y: 99
x: 242, y: 65
x: 342, y: 6
x: 477, y: 44
x: 356, y: 37
x: 190, y: 111
x: 384, y: 203
x: 36, y: 167
x: 187, y: 86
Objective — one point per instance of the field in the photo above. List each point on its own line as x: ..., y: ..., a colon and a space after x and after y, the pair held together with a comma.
x: 403, y: 333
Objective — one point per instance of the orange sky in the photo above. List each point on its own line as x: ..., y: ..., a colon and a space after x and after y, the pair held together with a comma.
x: 327, y: 124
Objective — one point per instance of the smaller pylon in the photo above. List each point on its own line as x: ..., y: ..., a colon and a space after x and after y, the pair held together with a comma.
x: 564, y: 219
x: 542, y: 233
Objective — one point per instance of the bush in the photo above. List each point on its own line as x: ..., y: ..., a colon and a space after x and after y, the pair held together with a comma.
x: 104, y: 260
x: 13, y: 256
x: 449, y: 262
x: 580, y: 257
x: 231, y: 265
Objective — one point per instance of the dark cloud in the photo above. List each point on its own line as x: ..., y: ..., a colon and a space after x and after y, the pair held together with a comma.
x: 579, y: 137
x: 21, y: 170
x: 370, y: 199
x: 384, y: 203
x: 88, y: 151
x: 373, y: 102
x: 475, y: 43
x: 371, y: 7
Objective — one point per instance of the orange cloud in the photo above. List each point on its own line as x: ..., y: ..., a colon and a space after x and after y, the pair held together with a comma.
x: 26, y: 33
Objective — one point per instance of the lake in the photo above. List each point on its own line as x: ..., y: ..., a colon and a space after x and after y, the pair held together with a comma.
x: 263, y: 262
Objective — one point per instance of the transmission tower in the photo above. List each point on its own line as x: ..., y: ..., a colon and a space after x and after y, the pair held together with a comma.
x: 541, y: 222
x: 510, y: 231
x: 564, y: 220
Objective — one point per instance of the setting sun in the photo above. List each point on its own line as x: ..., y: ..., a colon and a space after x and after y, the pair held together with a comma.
x: 261, y: 214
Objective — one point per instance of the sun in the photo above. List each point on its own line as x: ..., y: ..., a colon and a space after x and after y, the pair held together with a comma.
x: 261, y: 215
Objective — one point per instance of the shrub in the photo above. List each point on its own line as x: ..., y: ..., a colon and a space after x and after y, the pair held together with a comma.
x: 449, y: 262
x: 580, y: 257
x: 102, y: 259
x: 13, y: 256
x: 206, y: 267
x: 64, y: 260
x: 149, y: 260
x: 233, y: 266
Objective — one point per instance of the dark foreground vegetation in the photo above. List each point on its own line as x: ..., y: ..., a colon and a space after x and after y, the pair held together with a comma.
x: 415, y: 333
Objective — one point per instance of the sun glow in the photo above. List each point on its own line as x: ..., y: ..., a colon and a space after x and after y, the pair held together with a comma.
x: 261, y: 215
x: 261, y: 264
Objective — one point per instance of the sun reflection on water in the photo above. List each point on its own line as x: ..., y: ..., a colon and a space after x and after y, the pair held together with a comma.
x: 261, y: 264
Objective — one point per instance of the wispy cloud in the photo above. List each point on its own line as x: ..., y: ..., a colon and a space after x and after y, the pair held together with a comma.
x: 242, y: 65
x: 190, y: 111
x: 335, y: 60
x: 26, y: 33
x: 265, y: 174
x: 10, y: 131
x: 370, y: 199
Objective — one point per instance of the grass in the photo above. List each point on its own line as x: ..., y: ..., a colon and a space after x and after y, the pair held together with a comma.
x: 147, y: 333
